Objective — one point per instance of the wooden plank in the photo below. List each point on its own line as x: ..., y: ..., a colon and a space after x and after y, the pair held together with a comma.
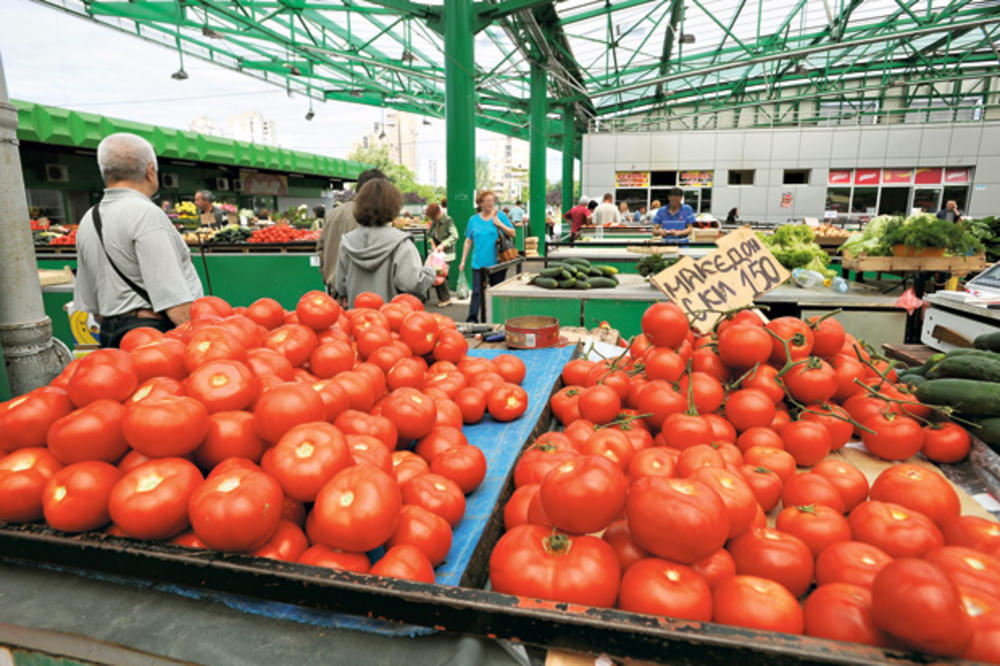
x: 911, y: 355
x: 48, y: 277
x: 953, y: 265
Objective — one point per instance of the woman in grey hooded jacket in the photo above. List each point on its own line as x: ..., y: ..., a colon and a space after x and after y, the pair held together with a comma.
x: 376, y: 257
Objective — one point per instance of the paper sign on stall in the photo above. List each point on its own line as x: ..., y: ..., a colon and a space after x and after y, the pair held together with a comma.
x: 732, y: 276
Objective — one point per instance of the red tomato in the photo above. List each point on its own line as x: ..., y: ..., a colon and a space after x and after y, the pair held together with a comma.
x: 744, y: 345
x: 331, y: 358
x: 165, y: 427
x: 899, y: 531
x: 695, y: 457
x: 511, y: 367
x: 946, y: 442
x: 974, y: 532
x: 223, y: 385
x: 23, y: 476
x: 534, y: 561
x: 405, y: 562
x: 515, y: 512
x: 968, y: 568
x: 780, y: 420
x: 765, y: 378
x: 465, y: 465
x: 420, y: 332
x: 599, y: 404
x: 472, y: 402
x: 717, y: 567
x: 896, y: 437
x: 407, y: 465
x: 157, y: 387
x: 151, y: 500
x: 584, y: 494
x: 851, y: 562
x: 756, y: 603
x: 285, y: 406
x: 565, y: 404
x: 366, y: 450
x: 848, y: 480
x: 333, y: 558
x: 359, y: 389
x: 413, y: 413
x: 676, y: 519
x: 610, y: 444
x: 914, y: 601
x: 212, y: 343
x: 812, y: 381
x: 659, y: 399
x: 306, y: 458
x: 707, y: 391
x: 367, y: 299
x: 682, y: 431
x: 437, y: 494
x: 286, y: 545
x: 808, y: 442
x: 707, y: 361
x: 918, y: 488
x: 538, y: 461
x: 807, y: 488
x: 186, y: 539
x: 335, y: 398
x: 663, y: 364
x: 353, y: 422
x: 658, y: 587
x: 817, y: 525
x: 722, y: 430
x: 93, y: 432
x: 796, y: 333
x: 765, y: 485
x: 76, y: 498
x: 408, y: 300
x: 138, y: 337
x: 736, y: 495
x: 828, y: 336
x: 293, y: 341
x: 507, y: 402
x: 840, y: 429
x: 318, y: 310
x: 778, y: 461
x: 747, y: 408
x: 422, y: 529
x: 266, y: 312
x: 575, y: 372
x: 656, y: 461
x: 238, y: 510
x: 759, y: 436
x: 410, y: 372
x: 843, y: 612
x: 163, y: 358
x: 210, y: 305
x: 265, y: 361
x: 665, y: 325
x: 439, y: 440
x: 774, y: 555
x: 371, y: 339
x: 246, y: 332
x: 357, y: 510
x: 103, y: 374
x: 25, y: 420
x: 619, y: 538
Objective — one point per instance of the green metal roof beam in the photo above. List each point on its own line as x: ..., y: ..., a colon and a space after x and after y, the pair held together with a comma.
x: 676, y: 8
x: 608, y: 7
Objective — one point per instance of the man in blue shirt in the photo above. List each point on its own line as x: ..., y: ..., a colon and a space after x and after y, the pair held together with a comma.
x: 676, y: 218
x: 517, y: 212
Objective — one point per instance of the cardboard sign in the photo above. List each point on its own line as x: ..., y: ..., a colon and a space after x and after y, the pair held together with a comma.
x: 264, y: 184
x: 732, y: 276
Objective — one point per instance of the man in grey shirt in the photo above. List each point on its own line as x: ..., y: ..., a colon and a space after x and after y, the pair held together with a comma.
x: 606, y: 213
x: 139, y: 243
x: 204, y: 201
x: 336, y: 225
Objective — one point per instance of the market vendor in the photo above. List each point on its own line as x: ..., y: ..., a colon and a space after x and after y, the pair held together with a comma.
x: 204, y: 201
x: 676, y: 218
x: 133, y: 268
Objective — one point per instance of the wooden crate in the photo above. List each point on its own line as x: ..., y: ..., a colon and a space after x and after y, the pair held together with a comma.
x: 704, y: 235
x: 953, y: 265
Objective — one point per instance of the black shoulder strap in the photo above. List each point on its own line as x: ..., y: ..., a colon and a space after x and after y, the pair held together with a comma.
x: 99, y: 226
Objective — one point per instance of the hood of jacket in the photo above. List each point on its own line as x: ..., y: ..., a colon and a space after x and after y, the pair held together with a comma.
x: 370, y: 247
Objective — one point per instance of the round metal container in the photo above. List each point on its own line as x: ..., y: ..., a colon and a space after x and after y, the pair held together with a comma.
x: 532, y: 332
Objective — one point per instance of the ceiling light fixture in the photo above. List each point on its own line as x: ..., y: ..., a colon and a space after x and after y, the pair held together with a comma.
x: 179, y: 75
x: 355, y: 93
x: 294, y: 71
x: 211, y: 34
x: 687, y: 38
x: 310, y: 114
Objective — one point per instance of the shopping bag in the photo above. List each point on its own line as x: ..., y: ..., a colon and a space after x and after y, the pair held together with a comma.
x: 439, y: 263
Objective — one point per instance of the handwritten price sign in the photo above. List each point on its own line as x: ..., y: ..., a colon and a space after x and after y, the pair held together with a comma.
x: 732, y: 276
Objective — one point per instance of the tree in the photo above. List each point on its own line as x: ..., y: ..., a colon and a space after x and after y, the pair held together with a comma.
x: 378, y: 156
x: 482, y: 174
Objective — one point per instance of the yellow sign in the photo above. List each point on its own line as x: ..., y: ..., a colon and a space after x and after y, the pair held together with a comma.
x: 631, y: 179
x: 732, y: 276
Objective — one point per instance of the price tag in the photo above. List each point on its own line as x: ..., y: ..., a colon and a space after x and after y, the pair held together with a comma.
x: 314, y: 260
x: 732, y: 276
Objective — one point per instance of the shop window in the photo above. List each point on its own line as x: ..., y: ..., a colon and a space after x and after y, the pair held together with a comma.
x: 959, y: 194
x: 48, y: 204
x: 659, y: 194
x: 864, y: 200
x: 796, y: 177
x: 741, y: 176
x: 894, y: 201
x: 706, y: 201
x: 634, y: 197
x: 927, y: 199
x: 660, y: 178
x: 838, y: 199
x: 691, y: 199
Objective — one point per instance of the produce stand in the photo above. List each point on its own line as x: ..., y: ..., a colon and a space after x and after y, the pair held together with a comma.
x: 618, y: 254
x: 871, y: 314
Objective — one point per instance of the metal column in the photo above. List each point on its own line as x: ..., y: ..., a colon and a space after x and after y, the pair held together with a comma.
x: 460, y: 109
x: 539, y: 108
x: 30, y: 357
x: 568, y: 157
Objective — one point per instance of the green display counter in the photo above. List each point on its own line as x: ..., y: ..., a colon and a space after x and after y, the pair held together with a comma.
x: 619, y: 257
x: 873, y: 316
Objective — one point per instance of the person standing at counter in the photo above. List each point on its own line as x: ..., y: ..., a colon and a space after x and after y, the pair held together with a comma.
x: 336, y: 224
x: 654, y: 208
x: 577, y: 216
x: 205, y: 203
x: 481, y: 240
x: 133, y: 268
x: 676, y: 218
x: 443, y: 236
x: 517, y: 213
x: 376, y: 257
x: 606, y: 212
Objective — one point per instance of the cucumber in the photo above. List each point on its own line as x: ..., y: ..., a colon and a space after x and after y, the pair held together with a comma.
x: 567, y: 284
x: 969, y: 396
x: 577, y: 260
x: 607, y: 270
x: 970, y: 352
x: 912, y: 379
x: 988, y: 430
x: 990, y: 341
x: 969, y: 366
x: 553, y: 272
x: 545, y: 282
x: 594, y: 271
x: 602, y: 283
x: 565, y: 274
x: 581, y: 284
x: 582, y: 275
x: 927, y: 365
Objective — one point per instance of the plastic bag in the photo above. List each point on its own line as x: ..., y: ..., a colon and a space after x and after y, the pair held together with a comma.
x: 463, y: 292
x: 909, y: 301
x: 437, y: 261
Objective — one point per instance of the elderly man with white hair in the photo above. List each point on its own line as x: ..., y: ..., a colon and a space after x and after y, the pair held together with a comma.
x: 133, y: 268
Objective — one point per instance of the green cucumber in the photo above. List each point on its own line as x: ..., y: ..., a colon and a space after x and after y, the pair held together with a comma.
x: 927, y: 365
x: 607, y: 270
x: 579, y: 261
x: 988, y: 430
x: 567, y: 284
x: 912, y: 378
x: 553, y: 272
x: 968, y: 366
x: 602, y: 283
x: 581, y: 284
x: 990, y: 341
x: 594, y: 271
x: 969, y: 396
x: 545, y: 282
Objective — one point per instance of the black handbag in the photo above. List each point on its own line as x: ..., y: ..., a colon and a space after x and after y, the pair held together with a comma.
x: 506, y: 251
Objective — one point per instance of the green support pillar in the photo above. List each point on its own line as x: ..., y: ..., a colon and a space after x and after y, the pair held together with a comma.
x: 460, y: 121
x: 568, y: 158
x: 536, y: 164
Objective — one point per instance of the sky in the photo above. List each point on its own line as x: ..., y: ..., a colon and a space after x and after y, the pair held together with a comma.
x: 52, y: 58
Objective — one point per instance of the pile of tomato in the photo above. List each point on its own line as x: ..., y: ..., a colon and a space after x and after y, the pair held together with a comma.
x: 67, y: 239
x: 311, y: 436
x: 282, y: 233
x: 654, y: 496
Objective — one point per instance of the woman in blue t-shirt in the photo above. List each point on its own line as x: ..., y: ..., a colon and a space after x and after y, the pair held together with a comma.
x: 481, y: 240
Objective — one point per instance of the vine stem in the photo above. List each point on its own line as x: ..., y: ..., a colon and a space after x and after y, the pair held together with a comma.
x: 947, y: 411
x: 883, y: 375
x: 691, y: 408
x: 624, y: 421
x: 749, y: 373
x: 805, y: 408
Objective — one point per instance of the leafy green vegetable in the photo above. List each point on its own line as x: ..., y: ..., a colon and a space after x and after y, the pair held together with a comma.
x: 654, y: 263
x: 794, y: 246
